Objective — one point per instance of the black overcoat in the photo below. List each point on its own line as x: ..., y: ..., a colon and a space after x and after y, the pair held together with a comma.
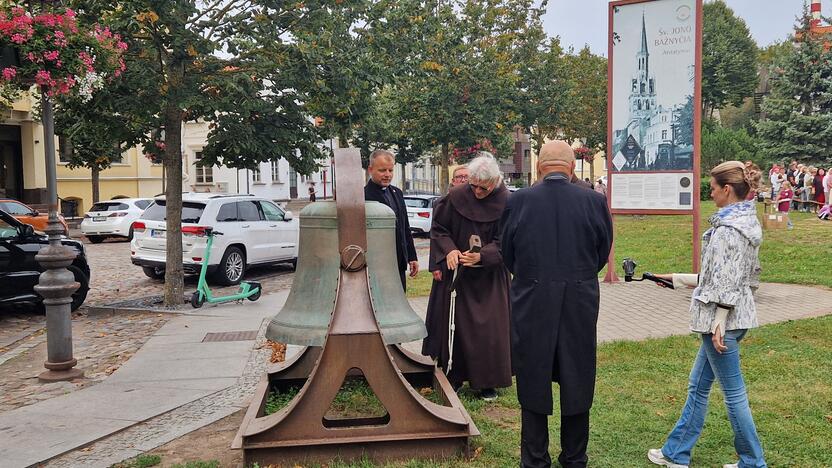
x: 405, y: 250
x: 556, y: 238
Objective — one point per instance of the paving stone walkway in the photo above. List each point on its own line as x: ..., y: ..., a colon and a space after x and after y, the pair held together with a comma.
x: 176, y: 383
x: 100, y: 343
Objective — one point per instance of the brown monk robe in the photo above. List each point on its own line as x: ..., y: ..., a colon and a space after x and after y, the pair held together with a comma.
x: 481, y: 340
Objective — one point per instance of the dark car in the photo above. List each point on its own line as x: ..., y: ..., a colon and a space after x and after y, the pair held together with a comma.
x: 19, y: 271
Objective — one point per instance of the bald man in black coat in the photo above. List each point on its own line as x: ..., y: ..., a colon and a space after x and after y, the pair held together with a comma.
x: 556, y: 239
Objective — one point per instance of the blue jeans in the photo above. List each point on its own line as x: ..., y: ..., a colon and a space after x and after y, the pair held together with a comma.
x: 725, y: 367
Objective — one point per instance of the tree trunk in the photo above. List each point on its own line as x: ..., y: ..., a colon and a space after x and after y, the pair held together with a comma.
x: 592, y: 171
x: 444, y: 162
x: 174, y: 274
x: 404, y: 178
x: 95, y: 176
x: 343, y: 140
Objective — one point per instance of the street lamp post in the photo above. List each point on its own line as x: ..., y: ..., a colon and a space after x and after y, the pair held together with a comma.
x: 56, y: 283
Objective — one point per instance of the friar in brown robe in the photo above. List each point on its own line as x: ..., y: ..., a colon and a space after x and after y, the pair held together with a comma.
x: 481, y: 340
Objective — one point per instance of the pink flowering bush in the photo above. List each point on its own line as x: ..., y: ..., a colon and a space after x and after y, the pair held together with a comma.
x: 56, y: 54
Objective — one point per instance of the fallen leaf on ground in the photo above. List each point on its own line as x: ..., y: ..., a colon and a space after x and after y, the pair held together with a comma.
x: 477, y: 453
x: 278, y: 351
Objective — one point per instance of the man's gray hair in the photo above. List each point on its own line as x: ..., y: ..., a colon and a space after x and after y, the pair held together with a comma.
x: 485, y: 168
x: 381, y: 153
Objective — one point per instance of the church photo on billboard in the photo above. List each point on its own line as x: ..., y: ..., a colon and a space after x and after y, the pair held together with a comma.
x: 653, y: 45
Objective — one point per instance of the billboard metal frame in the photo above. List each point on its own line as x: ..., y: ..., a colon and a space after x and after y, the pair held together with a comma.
x: 697, y: 138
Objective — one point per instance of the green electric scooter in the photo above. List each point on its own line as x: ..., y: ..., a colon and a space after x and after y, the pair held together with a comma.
x: 248, y: 289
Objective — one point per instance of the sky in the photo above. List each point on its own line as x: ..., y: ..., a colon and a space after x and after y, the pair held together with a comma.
x: 581, y: 22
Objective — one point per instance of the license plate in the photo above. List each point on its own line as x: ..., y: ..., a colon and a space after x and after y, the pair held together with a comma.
x: 99, y: 219
x: 157, y: 233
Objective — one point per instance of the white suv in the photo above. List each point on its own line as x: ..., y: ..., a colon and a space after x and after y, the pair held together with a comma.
x: 255, y: 232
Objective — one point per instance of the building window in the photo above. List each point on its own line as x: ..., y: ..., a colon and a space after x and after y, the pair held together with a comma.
x: 255, y: 175
x: 664, y: 134
x: 204, y: 175
x: 64, y: 149
x: 275, y: 168
x: 117, y: 156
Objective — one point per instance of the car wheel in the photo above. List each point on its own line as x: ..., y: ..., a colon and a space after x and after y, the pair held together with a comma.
x: 232, y: 267
x: 154, y: 273
x: 96, y: 239
x: 80, y: 294
x: 294, y: 263
x: 197, y: 299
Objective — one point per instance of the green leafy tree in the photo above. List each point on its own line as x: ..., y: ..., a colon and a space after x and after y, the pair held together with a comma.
x: 460, y: 82
x: 331, y: 44
x: 95, y: 132
x: 381, y: 129
x: 547, y: 91
x: 586, y: 118
x: 798, y: 110
x: 720, y: 144
x: 250, y: 99
x: 729, y: 58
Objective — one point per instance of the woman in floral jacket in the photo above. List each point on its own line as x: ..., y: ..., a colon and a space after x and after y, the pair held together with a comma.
x: 722, y: 310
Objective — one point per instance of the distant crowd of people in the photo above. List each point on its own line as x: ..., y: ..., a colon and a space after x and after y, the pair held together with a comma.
x: 801, y: 187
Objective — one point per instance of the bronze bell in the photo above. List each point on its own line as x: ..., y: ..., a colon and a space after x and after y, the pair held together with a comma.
x: 304, y: 318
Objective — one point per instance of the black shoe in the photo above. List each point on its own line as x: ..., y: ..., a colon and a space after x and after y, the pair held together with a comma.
x: 488, y: 394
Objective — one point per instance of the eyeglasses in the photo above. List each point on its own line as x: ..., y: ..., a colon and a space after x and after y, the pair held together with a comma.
x: 480, y: 187
x: 461, y: 177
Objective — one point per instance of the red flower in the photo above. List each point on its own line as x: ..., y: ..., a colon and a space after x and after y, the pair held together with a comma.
x: 9, y: 73
x: 43, y: 78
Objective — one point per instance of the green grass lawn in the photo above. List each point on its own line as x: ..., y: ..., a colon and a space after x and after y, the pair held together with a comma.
x: 641, y: 388
x: 664, y: 244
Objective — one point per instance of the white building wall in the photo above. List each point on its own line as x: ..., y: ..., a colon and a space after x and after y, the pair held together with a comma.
x: 221, y: 179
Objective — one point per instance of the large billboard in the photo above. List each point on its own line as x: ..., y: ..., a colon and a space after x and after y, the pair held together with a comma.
x: 654, y: 104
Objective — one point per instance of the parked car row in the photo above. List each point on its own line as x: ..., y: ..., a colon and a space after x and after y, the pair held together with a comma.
x: 28, y: 215
x: 20, y: 272
x: 256, y: 231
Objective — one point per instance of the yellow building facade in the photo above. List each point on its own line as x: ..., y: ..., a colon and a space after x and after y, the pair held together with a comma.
x: 134, y: 176
x: 23, y: 168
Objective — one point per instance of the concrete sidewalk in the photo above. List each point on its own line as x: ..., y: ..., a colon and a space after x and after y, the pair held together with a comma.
x: 176, y: 368
x: 173, y: 368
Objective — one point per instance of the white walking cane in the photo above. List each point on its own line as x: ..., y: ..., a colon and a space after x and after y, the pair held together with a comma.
x: 452, y: 323
x: 474, y: 245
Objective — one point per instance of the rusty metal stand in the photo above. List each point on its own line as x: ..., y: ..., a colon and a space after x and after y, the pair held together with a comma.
x: 413, y: 426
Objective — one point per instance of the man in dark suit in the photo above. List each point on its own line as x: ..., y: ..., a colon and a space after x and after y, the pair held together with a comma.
x: 379, y: 189
x: 556, y: 238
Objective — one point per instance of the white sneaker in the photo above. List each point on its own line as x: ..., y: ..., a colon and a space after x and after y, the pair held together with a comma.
x: 656, y: 456
x: 731, y: 465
